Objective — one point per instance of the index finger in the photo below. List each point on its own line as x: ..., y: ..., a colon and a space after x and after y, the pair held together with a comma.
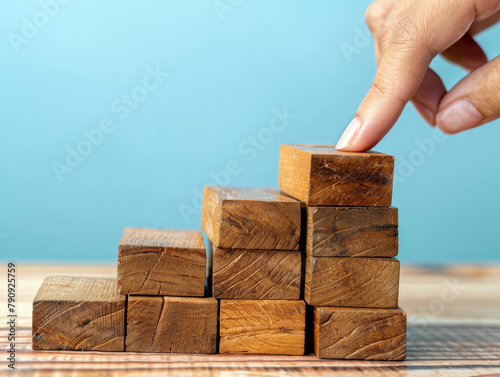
x: 429, y: 27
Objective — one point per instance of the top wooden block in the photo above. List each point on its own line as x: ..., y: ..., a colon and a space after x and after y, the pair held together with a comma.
x: 250, y: 218
x: 167, y: 262
x: 320, y: 175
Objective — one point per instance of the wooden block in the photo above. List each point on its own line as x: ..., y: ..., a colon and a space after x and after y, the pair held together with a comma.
x: 361, y: 334
x: 354, y: 282
x: 352, y: 231
x: 256, y: 274
x: 250, y: 218
x: 319, y: 175
x: 270, y: 327
x: 161, y: 262
x: 171, y: 324
x: 78, y: 313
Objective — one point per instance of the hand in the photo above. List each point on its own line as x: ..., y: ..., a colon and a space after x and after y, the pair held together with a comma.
x: 408, y: 34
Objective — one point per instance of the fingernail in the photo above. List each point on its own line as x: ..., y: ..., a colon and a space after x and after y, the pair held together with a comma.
x: 425, y: 112
x: 460, y: 115
x: 349, y: 134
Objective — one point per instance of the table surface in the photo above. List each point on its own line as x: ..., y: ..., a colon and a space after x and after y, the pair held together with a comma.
x: 453, y: 330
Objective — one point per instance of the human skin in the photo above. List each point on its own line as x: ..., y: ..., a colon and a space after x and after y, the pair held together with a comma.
x: 407, y: 35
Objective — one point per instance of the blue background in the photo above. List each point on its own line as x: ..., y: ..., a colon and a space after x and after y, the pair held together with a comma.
x: 227, y: 74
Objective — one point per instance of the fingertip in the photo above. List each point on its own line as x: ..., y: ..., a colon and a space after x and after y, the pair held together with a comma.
x: 446, y: 131
x: 459, y: 116
x: 360, y: 136
x: 349, y: 135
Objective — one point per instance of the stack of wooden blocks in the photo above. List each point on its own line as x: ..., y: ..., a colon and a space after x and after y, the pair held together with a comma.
x: 255, y: 235
x: 156, y: 304
x: 329, y: 238
x: 351, y: 235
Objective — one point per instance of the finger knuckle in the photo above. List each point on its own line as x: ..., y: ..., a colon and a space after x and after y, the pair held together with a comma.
x: 495, y: 75
x: 405, y: 32
x: 490, y: 94
x: 380, y: 88
x: 375, y: 12
x: 485, y: 9
x: 384, y: 86
x: 407, y: 35
x: 383, y: 37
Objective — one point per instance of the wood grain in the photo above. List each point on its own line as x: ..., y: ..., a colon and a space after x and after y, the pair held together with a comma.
x: 352, y: 231
x: 354, y: 282
x: 359, y: 333
x: 78, y: 313
x: 319, y: 175
x: 250, y: 218
x: 161, y: 262
x: 256, y: 274
x: 460, y: 340
x: 171, y: 324
x: 272, y: 327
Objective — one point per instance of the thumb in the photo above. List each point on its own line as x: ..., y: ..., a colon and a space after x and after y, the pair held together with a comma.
x: 475, y: 100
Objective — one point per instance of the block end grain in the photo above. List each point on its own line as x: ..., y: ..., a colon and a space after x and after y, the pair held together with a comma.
x: 262, y: 327
x: 336, y: 178
x: 162, y: 262
x: 256, y: 274
x: 352, y: 282
x: 294, y: 176
x: 172, y: 324
x: 360, y: 333
x: 78, y: 313
x: 352, y: 232
x: 250, y: 218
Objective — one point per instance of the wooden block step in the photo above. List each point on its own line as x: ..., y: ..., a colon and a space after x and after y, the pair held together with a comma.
x: 171, y: 324
x: 250, y: 218
x: 161, y: 262
x: 352, y: 282
x: 319, y: 175
x: 78, y: 313
x: 360, y: 333
x: 256, y: 274
x: 270, y: 327
x: 352, y: 231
